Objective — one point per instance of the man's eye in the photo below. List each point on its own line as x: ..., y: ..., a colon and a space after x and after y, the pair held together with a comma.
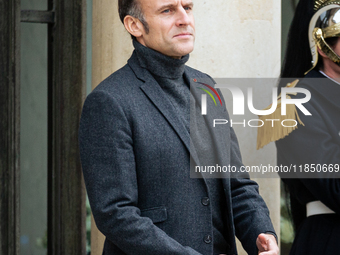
x: 187, y: 8
x: 166, y: 11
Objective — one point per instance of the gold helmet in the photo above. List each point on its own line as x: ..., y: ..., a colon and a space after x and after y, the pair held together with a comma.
x: 325, y: 23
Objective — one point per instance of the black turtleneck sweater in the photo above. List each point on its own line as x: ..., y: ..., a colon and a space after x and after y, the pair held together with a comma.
x: 168, y: 72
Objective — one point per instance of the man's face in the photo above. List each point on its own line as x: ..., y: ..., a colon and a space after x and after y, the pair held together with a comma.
x: 329, y: 67
x: 171, y: 26
x: 336, y: 46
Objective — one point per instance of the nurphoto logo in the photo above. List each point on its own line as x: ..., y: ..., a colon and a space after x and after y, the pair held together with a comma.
x: 238, y: 98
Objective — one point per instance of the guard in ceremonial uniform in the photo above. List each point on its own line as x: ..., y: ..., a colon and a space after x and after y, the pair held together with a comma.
x: 313, y: 146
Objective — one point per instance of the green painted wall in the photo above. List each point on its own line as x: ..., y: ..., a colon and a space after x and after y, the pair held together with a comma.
x: 33, y: 133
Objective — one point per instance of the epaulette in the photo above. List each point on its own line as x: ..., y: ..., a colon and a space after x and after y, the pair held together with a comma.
x: 270, y: 133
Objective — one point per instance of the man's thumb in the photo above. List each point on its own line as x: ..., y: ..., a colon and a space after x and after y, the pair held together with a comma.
x: 262, y: 242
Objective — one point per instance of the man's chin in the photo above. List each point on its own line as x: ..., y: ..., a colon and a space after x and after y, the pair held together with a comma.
x: 186, y: 49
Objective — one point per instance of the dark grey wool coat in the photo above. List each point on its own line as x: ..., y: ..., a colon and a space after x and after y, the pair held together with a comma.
x: 136, y: 158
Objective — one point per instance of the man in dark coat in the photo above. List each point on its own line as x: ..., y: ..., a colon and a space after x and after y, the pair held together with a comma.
x: 140, y: 136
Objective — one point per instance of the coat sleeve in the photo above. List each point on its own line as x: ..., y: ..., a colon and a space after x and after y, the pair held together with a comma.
x: 109, y: 167
x: 313, y: 144
x: 251, y: 215
x: 250, y: 212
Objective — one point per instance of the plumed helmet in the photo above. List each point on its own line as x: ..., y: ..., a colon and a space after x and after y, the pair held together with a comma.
x: 324, y: 24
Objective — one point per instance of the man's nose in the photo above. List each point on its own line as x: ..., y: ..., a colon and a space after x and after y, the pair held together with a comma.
x: 183, y: 18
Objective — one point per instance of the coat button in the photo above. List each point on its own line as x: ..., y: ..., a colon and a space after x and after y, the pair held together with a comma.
x: 207, y: 239
x: 205, y: 201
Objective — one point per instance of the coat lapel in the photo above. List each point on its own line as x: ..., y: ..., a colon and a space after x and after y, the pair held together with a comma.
x: 155, y: 93
x: 159, y: 99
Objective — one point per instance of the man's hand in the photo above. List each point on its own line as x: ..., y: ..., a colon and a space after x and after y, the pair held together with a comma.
x: 267, y: 245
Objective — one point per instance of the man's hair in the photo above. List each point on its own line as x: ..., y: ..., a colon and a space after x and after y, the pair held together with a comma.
x: 134, y: 9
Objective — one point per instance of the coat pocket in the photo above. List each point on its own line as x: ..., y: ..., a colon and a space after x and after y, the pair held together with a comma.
x: 156, y: 214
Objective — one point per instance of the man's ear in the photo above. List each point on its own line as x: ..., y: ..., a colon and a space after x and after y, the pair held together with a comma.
x: 321, y: 53
x: 133, y: 26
